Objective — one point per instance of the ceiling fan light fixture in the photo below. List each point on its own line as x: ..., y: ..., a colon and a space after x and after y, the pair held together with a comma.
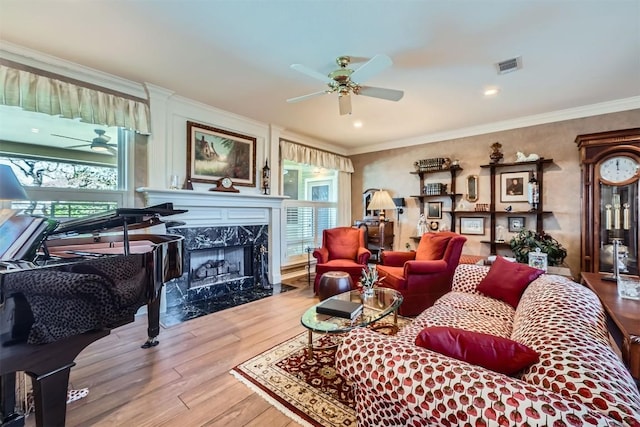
x: 99, y: 148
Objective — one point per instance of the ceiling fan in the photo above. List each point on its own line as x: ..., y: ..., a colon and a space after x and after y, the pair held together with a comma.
x: 346, y: 81
x: 100, y: 143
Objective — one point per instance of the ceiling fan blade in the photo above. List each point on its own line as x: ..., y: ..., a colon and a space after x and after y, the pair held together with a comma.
x: 70, y: 137
x: 380, y: 92
x: 304, y: 97
x: 344, y: 102
x: 311, y: 73
x: 78, y: 146
x: 371, y: 68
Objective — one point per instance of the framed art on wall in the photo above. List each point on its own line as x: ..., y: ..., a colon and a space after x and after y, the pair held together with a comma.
x: 472, y: 225
x: 216, y: 153
x: 434, y: 210
x: 516, y: 224
x: 513, y: 186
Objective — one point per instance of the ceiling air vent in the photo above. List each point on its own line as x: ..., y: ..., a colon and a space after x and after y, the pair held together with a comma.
x: 509, y: 65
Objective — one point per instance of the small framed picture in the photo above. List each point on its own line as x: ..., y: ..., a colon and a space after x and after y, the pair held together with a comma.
x: 434, y: 225
x: 516, y: 224
x: 434, y: 210
x: 472, y: 225
x: 513, y: 186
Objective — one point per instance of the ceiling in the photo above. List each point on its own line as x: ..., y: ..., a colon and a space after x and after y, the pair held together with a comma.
x: 236, y: 56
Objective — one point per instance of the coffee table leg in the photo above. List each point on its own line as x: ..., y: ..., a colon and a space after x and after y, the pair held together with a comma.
x: 310, y: 345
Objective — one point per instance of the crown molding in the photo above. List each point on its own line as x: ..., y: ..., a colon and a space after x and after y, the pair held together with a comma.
x: 615, y: 106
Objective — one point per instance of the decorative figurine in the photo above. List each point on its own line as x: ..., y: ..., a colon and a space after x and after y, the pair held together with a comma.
x: 496, y: 155
x: 422, y: 225
x: 520, y: 157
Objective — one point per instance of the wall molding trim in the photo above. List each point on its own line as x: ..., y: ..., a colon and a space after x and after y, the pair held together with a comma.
x: 615, y: 106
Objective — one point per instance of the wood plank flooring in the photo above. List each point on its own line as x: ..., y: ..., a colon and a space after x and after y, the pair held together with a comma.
x: 185, y: 380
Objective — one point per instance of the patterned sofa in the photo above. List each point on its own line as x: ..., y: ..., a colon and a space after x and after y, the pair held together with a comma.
x: 578, y: 379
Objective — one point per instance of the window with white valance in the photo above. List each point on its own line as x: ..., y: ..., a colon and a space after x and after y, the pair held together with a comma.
x: 310, y: 156
x: 44, y: 92
x: 318, y: 186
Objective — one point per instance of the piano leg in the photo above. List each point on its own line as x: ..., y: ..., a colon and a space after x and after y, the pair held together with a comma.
x: 153, y: 319
x: 48, y: 365
x: 50, y: 391
x: 8, y: 416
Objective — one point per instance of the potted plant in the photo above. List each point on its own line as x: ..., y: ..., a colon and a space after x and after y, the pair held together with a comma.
x: 528, y: 241
x: 368, y: 280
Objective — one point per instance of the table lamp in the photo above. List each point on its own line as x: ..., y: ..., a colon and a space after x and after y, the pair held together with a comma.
x: 380, y: 201
x: 10, y: 187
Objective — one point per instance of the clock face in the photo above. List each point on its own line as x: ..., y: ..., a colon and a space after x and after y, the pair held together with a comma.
x: 226, y: 182
x: 618, y: 169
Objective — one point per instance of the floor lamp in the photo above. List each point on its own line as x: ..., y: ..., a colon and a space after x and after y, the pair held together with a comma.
x: 381, y: 200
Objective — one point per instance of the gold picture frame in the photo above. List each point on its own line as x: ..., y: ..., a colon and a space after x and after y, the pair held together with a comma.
x: 214, y: 153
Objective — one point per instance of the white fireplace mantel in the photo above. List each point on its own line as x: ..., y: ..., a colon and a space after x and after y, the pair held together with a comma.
x: 217, y: 209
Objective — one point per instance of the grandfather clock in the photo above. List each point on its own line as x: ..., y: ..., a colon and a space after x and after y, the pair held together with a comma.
x: 610, y: 163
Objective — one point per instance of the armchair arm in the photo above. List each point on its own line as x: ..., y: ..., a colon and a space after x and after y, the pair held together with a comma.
x: 363, y: 256
x: 321, y: 254
x: 397, y: 258
x: 424, y: 267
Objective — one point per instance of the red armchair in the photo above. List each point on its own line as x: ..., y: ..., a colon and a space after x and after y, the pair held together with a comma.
x: 425, y: 275
x: 343, y: 249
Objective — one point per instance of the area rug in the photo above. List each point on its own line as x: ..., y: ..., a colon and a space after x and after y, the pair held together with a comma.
x: 309, y: 391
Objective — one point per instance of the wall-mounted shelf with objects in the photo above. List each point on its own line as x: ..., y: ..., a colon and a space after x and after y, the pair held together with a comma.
x: 537, y: 168
x: 438, y: 190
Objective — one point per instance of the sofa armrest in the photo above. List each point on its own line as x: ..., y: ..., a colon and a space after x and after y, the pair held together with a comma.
x: 397, y: 258
x: 321, y: 254
x: 399, y: 383
x: 424, y: 267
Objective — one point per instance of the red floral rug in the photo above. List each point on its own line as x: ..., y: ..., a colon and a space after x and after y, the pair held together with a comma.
x: 309, y: 391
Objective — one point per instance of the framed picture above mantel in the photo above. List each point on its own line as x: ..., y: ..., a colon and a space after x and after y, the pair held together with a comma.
x: 214, y: 153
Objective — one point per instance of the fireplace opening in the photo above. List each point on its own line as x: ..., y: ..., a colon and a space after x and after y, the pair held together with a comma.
x: 212, y: 266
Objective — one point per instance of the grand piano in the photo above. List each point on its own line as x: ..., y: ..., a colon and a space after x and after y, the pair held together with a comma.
x: 89, y: 276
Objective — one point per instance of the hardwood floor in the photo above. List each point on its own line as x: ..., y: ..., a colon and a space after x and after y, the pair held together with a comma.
x: 185, y: 380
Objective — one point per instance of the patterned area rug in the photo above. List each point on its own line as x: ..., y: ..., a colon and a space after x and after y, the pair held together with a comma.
x: 309, y: 391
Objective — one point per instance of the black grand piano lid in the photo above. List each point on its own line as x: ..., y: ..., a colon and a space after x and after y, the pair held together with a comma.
x: 116, y: 218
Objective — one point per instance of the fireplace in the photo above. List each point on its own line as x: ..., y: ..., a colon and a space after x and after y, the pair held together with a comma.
x: 219, y: 261
x: 219, y: 265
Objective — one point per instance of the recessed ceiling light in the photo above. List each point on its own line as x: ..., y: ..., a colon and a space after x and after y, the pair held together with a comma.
x: 357, y: 124
x: 35, y: 130
x: 491, y: 91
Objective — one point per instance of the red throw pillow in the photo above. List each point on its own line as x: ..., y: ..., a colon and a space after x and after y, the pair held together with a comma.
x: 496, y: 353
x: 432, y: 246
x: 506, y: 281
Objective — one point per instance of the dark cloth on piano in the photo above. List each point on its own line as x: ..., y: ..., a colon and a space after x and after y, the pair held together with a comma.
x: 72, y: 299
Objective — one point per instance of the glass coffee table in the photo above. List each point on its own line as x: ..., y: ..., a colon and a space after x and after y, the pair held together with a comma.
x: 376, y: 306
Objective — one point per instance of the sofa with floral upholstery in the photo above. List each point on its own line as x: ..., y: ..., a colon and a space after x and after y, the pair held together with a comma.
x: 507, y: 346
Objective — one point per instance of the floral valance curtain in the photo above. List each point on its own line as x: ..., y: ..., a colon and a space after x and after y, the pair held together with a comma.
x: 311, y: 156
x: 35, y: 90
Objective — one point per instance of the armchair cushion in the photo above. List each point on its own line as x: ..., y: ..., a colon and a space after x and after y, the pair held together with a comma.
x: 489, y: 351
x: 506, y: 281
x: 432, y: 246
x: 342, y: 243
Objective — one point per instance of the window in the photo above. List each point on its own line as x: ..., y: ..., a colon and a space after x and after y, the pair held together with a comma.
x: 70, y: 169
x: 312, y: 207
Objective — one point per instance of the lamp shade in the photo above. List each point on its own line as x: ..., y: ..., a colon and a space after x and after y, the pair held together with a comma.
x: 10, y: 187
x: 381, y: 200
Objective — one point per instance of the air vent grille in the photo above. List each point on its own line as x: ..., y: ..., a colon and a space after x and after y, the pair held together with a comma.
x: 509, y: 65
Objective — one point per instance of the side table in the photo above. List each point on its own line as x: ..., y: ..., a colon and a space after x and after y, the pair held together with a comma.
x: 623, y: 320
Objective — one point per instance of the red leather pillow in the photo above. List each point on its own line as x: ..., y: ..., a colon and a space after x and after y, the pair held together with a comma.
x: 432, y: 246
x: 506, y: 281
x: 496, y: 353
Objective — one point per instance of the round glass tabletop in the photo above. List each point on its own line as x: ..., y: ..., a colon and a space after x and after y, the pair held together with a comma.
x: 380, y: 304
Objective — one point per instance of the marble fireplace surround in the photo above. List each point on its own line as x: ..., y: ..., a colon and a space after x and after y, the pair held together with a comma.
x: 219, y: 209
